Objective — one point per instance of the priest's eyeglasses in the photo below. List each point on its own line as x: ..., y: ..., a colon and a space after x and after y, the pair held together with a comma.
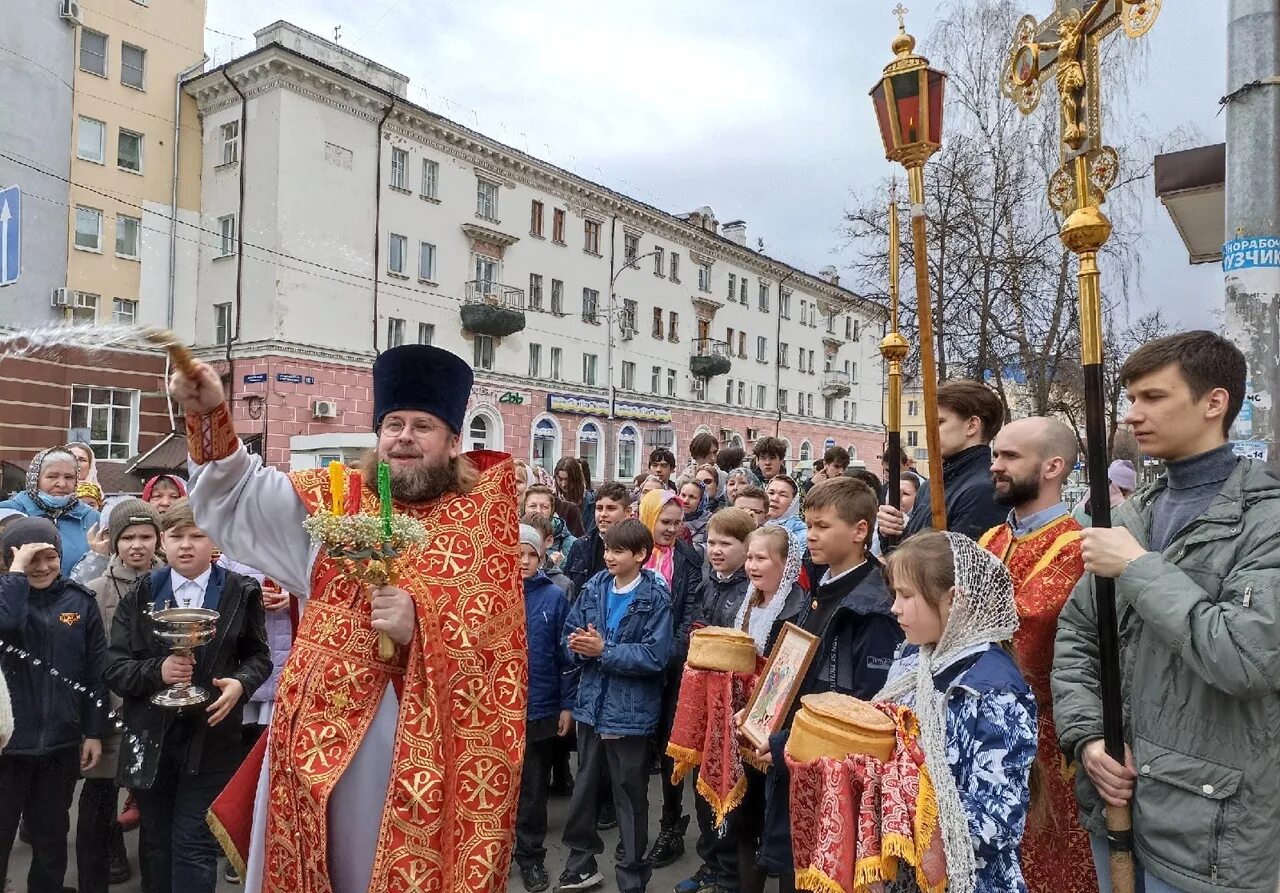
x: 394, y: 427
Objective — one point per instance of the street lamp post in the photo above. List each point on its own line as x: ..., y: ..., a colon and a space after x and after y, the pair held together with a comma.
x: 908, y: 103
x: 627, y: 263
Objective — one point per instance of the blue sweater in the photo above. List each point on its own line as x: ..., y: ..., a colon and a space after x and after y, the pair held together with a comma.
x: 553, y: 679
x: 73, y: 527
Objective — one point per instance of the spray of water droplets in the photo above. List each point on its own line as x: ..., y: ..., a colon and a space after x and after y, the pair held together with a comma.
x: 50, y: 341
x: 113, y: 716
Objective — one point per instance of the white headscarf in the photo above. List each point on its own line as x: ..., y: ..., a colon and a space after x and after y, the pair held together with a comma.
x: 760, y: 624
x: 982, y: 614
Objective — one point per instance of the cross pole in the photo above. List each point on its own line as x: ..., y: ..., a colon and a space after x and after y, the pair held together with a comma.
x: 1066, y: 46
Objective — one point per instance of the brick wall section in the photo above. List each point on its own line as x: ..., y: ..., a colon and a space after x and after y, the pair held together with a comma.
x: 35, y: 396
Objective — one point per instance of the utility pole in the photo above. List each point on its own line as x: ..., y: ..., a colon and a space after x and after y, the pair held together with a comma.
x: 1251, y: 255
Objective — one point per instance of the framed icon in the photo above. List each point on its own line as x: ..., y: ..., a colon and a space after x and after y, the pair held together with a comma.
x: 779, y: 683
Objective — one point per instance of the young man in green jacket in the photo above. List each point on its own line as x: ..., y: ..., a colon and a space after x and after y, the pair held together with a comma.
x: 1196, y: 560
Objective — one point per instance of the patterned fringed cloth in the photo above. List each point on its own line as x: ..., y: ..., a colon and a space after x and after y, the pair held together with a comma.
x: 852, y: 821
x: 704, y: 735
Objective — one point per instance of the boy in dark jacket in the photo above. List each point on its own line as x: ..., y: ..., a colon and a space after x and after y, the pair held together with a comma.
x: 619, y: 633
x: 52, y: 646
x: 849, y: 610
x: 552, y: 687
x: 178, y: 760
x: 586, y: 556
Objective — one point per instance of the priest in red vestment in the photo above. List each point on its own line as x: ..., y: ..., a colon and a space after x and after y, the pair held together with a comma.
x: 1040, y: 544
x: 379, y: 774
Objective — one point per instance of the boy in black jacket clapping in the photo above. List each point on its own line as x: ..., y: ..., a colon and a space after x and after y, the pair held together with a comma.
x: 51, y: 650
x: 178, y: 761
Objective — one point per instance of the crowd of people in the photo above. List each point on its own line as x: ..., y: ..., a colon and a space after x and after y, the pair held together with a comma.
x: 987, y: 631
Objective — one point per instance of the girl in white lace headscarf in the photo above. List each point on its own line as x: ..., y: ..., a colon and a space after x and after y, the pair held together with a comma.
x: 760, y: 608
x: 954, y: 601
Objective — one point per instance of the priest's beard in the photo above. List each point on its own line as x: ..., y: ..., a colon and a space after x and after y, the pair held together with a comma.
x: 1015, y: 492
x: 416, y: 483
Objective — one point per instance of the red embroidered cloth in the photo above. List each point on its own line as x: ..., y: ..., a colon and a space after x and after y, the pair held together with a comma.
x: 704, y: 735
x: 854, y: 820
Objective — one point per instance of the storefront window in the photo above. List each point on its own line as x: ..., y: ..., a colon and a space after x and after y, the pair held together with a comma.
x: 546, y: 444
x: 589, y: 447
x: 628, y: 438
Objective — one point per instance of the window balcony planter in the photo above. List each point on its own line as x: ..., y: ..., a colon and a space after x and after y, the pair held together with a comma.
x: 710, y: 358
x: 490, y: 308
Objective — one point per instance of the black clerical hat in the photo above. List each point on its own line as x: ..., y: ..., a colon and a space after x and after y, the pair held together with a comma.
x: 421, y: 377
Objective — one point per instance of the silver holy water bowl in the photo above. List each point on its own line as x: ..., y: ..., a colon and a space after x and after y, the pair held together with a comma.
x: 183, y: 630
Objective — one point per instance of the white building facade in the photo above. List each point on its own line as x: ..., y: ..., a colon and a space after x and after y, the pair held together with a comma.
x: 339, y: 219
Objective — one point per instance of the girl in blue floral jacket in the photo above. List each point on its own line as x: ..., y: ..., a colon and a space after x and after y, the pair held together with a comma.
x: 954, y: 601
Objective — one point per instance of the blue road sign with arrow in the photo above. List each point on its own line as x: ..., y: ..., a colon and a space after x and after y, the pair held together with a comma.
x: 10, y: 235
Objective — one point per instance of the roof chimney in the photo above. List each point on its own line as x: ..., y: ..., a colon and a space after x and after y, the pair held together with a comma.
x: 704, y: 218
x: 735, y: 231
x: 829, y: 274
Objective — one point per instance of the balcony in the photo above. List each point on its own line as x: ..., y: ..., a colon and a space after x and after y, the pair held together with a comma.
x: 490, y: 308
x: 836, y: 385
x: 710, y: 358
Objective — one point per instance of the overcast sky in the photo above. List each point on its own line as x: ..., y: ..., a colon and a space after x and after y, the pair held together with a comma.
x: 757, y: 108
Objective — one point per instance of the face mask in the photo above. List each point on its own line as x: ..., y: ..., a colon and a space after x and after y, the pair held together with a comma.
x: 57, y: 501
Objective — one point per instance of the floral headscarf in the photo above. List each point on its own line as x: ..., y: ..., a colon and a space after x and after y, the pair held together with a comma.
x: 90, y: 489
x: 702, y: 501
x: 758, y: 621
x: 662, y: 560
x: 52, y: 507
x: 746, y: 474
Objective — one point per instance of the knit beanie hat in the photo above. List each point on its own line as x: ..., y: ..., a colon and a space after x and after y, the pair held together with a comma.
x: 1123, y: 475
x: 128, y: 513
x: 29, y: 530
x: 533, y: 539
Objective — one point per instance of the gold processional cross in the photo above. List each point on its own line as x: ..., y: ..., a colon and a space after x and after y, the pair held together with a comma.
x: 1066, y: 46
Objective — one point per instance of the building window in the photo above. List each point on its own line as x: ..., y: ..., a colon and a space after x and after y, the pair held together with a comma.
x: 913, y: 408
x: 589, y: 369
x: 557, y: 354
x: 742, y: 345
x: 478, y: 433
x: 483, y: 352
x: 628, y: 442
x: 831, y: 324
x: 486, y: 200
x: 127, y: 229
x: 124, y: 311
x: 764, y: 297
x: 133, y: 66
x: 557, y: 297
x: 762, y: 348
x: 426, y: 333
x: 486, y: 272
x: 222, y: 324
x: 89, y: 229
x: 230, y: 133
x: 655, y: 380
x: 728, y: 337
x: 675, y: 267
x: 546, y: 444
x: 84, y: 308
x: 804, y: 311
x: 659, y: 262
x: 628, y: 322
x: 535, y: 218
x: 591, y: 236
x: 673, y: 327
x: 704, y: 277
x: 557, y: 225
x: 813, y: 315
x: 742, y: 393
x: 853, y: 412
x: 628, y: 375
x: 426, y: 261
x: 590, y: 305
x: 535, y: 360
x: 760, y: 396
x: 395, y: 332
x: 782, y: 400
x: 913, y: 438
x: 399, y: 169
x: 93, y: 52
x: 853, y: 373
x: 111, y: 417
x: 129, y: 151
x: 733, y: 286
x: 227, y: 235
x: 783, y: 360
x: 657, y: 323
x: 630, y: 248
x: 430, y: 179
x: 589, y: 444
x: 91, y: 140
x: 809, y: 405
x: 728, y: 392
x: 828, y: 407
x: 397, y: 248
x: 742, y: 293
x: 848, y: 328
x: 671, y: 382
x: 784, y: 303
x: 535, y: 291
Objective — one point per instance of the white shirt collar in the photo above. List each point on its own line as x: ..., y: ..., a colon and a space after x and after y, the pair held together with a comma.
x: 827, y: 578
x: 181, y: 596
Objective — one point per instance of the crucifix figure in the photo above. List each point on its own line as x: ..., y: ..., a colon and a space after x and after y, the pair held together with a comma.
x: 1072, y: 29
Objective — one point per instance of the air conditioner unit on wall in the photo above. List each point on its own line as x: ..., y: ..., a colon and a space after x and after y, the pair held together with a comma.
x: 69, y: 10
x: 324, y: 409
x: 626, y: 332
x: 753, y: 434
x: 61, y: 298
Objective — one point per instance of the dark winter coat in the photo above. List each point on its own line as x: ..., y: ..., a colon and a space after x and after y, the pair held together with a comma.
x: 585, y: 559
x: 239, y: 649
x: 969, y: 494
x: 60, y: 627
x: 686, y: 600
x: 553, y: 679
x: 724, y: 598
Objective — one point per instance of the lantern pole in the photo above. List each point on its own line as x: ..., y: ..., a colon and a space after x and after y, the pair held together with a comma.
x: 912, y: 132
x: 894, y: 349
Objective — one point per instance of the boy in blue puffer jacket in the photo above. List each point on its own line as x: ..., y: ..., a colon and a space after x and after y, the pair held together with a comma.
x: 553, y: 685
x: 619, y: 634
